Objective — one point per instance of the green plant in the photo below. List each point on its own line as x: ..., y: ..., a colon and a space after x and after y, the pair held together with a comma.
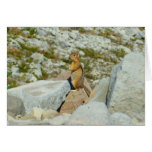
x: 9, y: 87
x: 9, y: 74
x: 44, y: 74
x: 49, y: 54
x: 119, y: 52
x: 15, y: 31
x: 11, y: 83
x: 65, y: 60
x: 142, y: 28
x: 28, y: 48
x: 82, y: 30
x: 89, y: 76
x: 64, y: 67
x: 24, y: 67
x: 90, y: 52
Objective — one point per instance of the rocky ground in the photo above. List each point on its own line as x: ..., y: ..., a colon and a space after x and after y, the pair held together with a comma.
x: 38, y: 90
x: 42, y: 53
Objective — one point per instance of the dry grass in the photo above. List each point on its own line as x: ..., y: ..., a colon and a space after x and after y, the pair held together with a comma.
x: 16, y: 31
x: 17, y: 53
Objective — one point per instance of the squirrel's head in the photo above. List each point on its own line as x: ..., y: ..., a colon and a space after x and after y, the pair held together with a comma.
x: 74, y: 56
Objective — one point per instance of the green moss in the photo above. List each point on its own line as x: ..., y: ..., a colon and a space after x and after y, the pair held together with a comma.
x: 8, y: 29
x: 90, y: 52
x: 65, y: 60
x: 44, y: 74
x: 89, y: 76
x: 119, y: 52
x: 14, y: 32
x: 129, y: 45
x: 94, y: 55
x: 134, y: 39
x: 9, y: 87
x: 11, y: 83
x: 82, y: 30
x: 107, y: 33
x: 49, y: 54
x: 143, y: 40
x: 23, y: 78
x: 28, y: 48
x: 105, y: 58
x: 64, y: 67
x: 142, y: 28
x: 12, y: 36
x: 32, y: 32
x: 38, y: 78
x: 32, y: 49
x: 24, y: 67
x: 86, y: 64
x: 28, y: 81
x: 30, y: 60
x: 9, y: 74
x: 113, y: 60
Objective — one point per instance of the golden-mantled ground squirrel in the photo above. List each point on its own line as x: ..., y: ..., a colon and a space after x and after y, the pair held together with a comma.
x: 77, y: 73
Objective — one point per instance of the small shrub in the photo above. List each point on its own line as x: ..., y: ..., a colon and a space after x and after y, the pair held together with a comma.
x: 65, y: 60
x: 142, y: 28
x: 44, y: 74
x: 11, y: 83
x: 90, y: 52
x: 29, y: 48
x: 119, y: 52
x: 24, y: 67
x: 32, y: 31
x: 64, y: 67
x: 82, y: 30
x: 89, y: 76
x: 17, y: 31
x: 49, y: 54
x: 9, y: 74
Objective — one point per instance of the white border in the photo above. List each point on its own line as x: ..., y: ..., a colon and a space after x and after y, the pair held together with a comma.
x: 74, y: 13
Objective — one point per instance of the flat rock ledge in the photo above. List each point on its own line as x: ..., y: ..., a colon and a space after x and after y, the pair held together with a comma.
x: 45, y: 94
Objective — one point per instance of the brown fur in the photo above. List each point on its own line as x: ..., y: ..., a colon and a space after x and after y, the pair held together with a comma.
x: 77, y: 75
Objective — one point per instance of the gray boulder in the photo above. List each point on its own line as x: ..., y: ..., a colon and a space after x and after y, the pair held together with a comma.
x: 120, y: 119
x: 60, y: 120
x: 15, y: 106
x: 37, y: 57
x: 44, y: 94
x: 93, y: 113
x: 126, y: 92
x: 29, y: 122
x: 102, y: 90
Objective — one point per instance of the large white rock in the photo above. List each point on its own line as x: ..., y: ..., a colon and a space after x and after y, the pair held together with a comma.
x: 126, y: 92
x: 15, y: 106
x: 45, y: 94
x: 120, y: 119
x: 37, y: 57
x: 56, y: 121
x: 29, y: 122
x: 42, y: 45
x: 93, y: 113
x: 60, y: 120
x: 102, y: 90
